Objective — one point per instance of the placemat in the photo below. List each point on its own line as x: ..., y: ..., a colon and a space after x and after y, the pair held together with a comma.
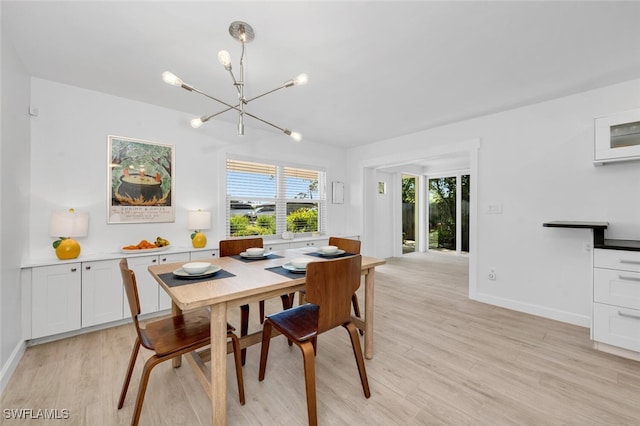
x: 328, y: 256
x: 175, y: 281
x: 247, y: 259
x: 282, y: 271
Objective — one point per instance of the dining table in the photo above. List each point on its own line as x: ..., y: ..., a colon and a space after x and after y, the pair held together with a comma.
x: 239, y: 280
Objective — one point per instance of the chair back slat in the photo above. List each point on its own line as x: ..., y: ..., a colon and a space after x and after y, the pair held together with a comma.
x: 346, y: 244
x: 330, y: 285
x: 235, y: 247
x: 131, y: 288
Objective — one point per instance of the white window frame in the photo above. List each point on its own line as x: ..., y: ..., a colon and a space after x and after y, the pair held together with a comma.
x: 280, y: 199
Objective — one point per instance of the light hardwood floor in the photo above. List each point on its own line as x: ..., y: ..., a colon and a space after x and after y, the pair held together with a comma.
x: 439, y: 358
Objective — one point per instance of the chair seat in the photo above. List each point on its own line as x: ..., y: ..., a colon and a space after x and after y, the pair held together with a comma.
x: 300, y: 323
x: 190, y: 328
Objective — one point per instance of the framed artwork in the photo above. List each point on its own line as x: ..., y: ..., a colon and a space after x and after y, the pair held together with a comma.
x: 140, y: 181
x: 382, y: 187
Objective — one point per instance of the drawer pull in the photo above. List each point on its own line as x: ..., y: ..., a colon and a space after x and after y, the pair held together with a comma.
x: 622, y: 314
x: 631, y: 262
x: 622, y: 277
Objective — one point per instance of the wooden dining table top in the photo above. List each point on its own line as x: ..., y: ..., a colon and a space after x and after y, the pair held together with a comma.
x: 251, y: 281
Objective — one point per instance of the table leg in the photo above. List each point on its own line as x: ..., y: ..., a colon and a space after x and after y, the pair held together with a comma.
x: 177, y: 361
x: 219, y: 364
x: 369, y: 281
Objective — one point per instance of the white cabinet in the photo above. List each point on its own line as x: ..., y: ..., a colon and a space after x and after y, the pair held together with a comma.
x: 275, y: 246
x: 55, y: 299
x: 310, y: 243
x: 207, y: 254
x: 102, y: 292
x: 617, y: 137
x: 616, y: 298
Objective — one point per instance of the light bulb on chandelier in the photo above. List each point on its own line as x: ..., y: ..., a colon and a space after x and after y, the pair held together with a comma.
x: 242, y: 32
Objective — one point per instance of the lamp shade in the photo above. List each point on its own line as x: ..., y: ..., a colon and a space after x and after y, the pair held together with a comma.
x: 199, y: 220
x: 69, y: 223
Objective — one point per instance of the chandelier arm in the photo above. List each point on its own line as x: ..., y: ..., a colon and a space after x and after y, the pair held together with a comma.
x: 206, y: 118
x: 266, y: 122
x: 236, y: 107
x: 265, y: 93
x: 236, y: 84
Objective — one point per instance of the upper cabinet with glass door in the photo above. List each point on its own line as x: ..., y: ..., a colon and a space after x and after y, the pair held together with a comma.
x: 617, y: 137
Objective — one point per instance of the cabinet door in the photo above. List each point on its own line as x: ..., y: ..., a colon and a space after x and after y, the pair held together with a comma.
x: 204, y: 254
x: 55, y: 299
x: 275, y: 246
x: 102, y: 292
x: 147, y: 286
x: 313, y: 243
x: 164, y: 301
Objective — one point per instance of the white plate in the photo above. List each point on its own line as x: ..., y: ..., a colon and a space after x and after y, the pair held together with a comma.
x: 252, y: 256
x: 289, y: 267
x: 210, y: 271
x: 149, y: 250
x: 337, y: 253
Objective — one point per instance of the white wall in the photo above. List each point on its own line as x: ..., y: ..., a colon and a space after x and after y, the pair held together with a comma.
x: 537, y: 162
x: 14, y: 203
x: 69, y: 164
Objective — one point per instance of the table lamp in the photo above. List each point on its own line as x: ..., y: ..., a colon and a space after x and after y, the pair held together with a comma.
x: 64, y: 225
x: 198, y: 221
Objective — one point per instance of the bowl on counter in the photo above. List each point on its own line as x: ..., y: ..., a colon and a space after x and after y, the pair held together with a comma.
x: 193, y: 268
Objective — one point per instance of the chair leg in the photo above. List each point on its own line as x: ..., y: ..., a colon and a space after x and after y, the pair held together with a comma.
x: 356, y: 309
x: 264, y: 351
x: 244, y: 328
x: 261, y: 304
x: 146, y: 372
x: 291, y: 297
x: 357, y: 352
x: 127, y: 378
x: 235, y: 343
x: 308, y: 355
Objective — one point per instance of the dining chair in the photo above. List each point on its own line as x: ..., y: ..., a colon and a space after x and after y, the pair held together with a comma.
x: 234, y: 248
x: 168, y: 338
x: 330, y: 285
x: 349, y: 246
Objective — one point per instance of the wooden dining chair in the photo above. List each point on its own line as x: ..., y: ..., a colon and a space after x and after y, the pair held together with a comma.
x: 168, y: 338
x: 349, y: 246
x: 234, y: 248
x: 330, y: 285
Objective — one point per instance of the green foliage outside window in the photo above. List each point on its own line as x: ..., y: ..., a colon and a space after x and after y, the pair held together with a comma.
x: 303, y: 220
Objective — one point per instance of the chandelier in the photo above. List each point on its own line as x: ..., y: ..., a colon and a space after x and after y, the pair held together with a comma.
x: 242, y: 32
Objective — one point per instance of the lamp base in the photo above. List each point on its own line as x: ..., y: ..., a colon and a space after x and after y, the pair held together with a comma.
x: 68, y: 249
x: 199, y: 240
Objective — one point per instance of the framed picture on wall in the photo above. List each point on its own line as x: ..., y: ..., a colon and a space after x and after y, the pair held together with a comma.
x: 140, y: 182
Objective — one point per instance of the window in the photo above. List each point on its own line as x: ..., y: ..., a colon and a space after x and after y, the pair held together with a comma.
x: 268, y: 199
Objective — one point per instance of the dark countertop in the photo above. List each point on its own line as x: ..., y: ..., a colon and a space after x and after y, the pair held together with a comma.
x: 631, y: 245
x: 599, y: 241
x: 575, y: 224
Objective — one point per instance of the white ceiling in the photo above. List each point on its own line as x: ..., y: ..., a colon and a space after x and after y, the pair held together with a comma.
x: 377, y: 69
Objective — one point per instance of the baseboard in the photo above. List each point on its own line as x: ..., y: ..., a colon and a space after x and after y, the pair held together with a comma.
x: 12, y: 363
x: 537, y: 310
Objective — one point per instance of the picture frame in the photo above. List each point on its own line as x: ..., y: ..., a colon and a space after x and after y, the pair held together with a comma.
x: 140, y: 181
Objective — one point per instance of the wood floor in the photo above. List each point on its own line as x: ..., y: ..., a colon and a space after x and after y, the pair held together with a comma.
x: 438, y: 359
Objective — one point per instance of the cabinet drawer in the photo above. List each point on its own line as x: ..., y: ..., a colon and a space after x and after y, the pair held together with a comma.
x: 617, y: 259
x: 621, y: 288
x: 616, y: 326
